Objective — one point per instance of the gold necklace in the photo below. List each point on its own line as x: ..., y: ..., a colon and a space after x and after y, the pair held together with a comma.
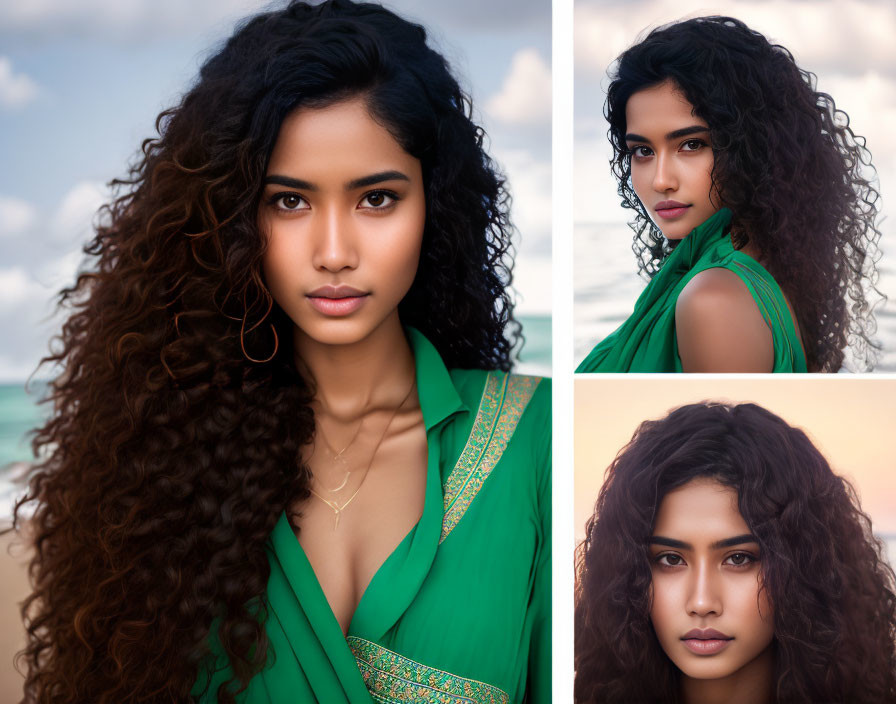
x: 337, y: 509
x: 337, y: 457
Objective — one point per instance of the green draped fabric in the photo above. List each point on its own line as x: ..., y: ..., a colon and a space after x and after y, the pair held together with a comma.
x: 646, y: 341
x: 460, y: 612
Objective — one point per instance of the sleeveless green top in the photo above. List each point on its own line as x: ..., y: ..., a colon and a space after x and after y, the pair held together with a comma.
x: 646, y: 342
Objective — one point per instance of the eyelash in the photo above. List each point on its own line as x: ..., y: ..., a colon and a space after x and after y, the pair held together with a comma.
x: 697, y: 143
x: 750, y: 559
x: 277, y: 197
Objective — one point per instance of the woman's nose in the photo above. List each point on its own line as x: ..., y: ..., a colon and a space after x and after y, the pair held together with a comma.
x: 704, y: 596
x: 335, y: 241
x: 665, y: 177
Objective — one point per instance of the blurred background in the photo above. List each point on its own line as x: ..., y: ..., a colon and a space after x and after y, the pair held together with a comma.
x: 848, y: 44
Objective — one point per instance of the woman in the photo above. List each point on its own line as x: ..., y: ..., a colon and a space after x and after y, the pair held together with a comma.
x: 285, y: 447
x: 726, y: 562
x: 754, y: 219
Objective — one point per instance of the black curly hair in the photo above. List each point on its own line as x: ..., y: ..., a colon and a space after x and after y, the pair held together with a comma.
x: 798, y: 180
x: 824, y: 572
x: 175, y: 437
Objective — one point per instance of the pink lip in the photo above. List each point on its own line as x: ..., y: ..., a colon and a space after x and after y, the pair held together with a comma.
x: 670, y: 209
x: 705, y: 641
x: 336, y: 301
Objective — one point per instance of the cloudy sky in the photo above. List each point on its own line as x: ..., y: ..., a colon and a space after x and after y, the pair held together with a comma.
x: 82, y: 82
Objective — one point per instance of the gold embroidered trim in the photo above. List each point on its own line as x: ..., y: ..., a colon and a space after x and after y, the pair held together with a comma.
x: 503, y: 401
x: 392, y: 678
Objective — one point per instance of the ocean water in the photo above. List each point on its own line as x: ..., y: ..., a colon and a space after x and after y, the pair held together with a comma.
x: 20, y: 412
x: 606, y: 285
x: 535, y: 356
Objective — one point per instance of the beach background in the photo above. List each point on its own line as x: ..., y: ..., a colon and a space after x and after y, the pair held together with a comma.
x: 848, y: 44
x: 81, y: 85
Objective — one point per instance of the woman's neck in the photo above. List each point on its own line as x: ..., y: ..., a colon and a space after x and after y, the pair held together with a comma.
x: 351, y: 379
x: 751, y: 684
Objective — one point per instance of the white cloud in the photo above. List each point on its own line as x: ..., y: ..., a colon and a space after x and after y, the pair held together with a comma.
x: 126, y: 20
x: 529, y: 181
x: 17, y: 288
x: 844, y: 35
x: 525, y: 96
x: 16, y: 89
x: 16, y: 216
x: 73, y: 221
x: 142, y: 20
x: 60, y: 272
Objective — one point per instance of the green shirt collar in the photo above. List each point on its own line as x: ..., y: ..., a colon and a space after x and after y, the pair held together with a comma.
x: 438, y: 395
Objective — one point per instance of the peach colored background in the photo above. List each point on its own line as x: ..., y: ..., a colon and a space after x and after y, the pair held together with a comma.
x: 851, y: 420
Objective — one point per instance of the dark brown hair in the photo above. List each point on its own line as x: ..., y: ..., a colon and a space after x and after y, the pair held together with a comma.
x: 797, y: 179
x: 824, y: 571
x: 178, y: 417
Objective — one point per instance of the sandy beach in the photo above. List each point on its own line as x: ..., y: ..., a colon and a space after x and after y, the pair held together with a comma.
x: 13, y: 588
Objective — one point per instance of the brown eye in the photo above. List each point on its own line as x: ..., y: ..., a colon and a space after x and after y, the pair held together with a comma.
x: 670, y: 560
x: 378, y: 200
x: 289, y: 202
x: 740, y: 559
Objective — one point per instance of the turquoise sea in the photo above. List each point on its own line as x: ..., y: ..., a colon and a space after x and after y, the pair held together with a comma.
x: 20, y: 412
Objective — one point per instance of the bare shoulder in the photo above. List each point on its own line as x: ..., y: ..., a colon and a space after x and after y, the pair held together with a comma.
x: 719, y: 326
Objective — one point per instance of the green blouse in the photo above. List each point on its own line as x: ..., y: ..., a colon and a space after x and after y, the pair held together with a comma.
x: 646, y: 342
x: 460, y: 612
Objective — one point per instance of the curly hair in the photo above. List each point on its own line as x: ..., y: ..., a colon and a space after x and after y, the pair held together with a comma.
x: 832, y: 590
x: 787, y: 164
x: 178, y: 416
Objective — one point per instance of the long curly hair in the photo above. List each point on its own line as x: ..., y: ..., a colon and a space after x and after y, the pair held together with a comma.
x: 831, y: 589
x: 178, y: 415
x: 798, y: 180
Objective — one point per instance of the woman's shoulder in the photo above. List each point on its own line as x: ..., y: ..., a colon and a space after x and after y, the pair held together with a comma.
x: 719, y: 325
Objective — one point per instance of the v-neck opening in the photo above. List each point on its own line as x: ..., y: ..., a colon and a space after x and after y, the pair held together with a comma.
x: 397, y: 576
x: 396, y: 581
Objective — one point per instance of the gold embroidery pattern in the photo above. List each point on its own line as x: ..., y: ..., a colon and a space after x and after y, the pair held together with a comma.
x: 392, y: 678
x: 503, y: 401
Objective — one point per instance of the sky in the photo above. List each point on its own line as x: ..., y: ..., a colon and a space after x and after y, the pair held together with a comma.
x: 81, y: 84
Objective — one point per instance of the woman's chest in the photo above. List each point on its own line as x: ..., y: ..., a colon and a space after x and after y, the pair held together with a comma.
x: 348, y: 534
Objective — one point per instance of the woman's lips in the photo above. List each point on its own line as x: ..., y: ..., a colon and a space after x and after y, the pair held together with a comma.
x: 705, y: 642
x: 336, y: 301
x: 670, y: 209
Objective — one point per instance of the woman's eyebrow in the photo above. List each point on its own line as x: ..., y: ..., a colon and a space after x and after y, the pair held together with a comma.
x: 736, y: 540
x: 669, y: 542
x: 685, y: 131
x: 361, y: 182
x: 726, y: 543
x: 290, y: 182
x: 373, y: 179
x: 675, y: 134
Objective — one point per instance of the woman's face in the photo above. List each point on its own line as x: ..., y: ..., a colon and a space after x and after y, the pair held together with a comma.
x: 343, y: 209
x: 709, y: 612
x: 671, y: 158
